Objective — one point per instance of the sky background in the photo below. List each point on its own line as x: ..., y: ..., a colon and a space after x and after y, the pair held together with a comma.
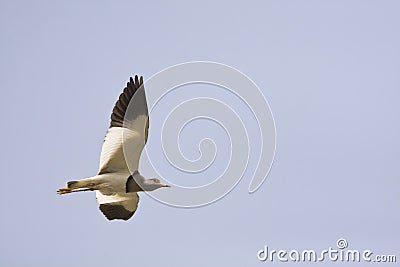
x: 329, y: 70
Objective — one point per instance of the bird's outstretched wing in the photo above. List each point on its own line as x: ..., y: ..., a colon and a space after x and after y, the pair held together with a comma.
x: 121, y: 206
x: 129, y: 126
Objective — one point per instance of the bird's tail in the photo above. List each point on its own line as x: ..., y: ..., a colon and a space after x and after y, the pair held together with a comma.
x: 78, y: 186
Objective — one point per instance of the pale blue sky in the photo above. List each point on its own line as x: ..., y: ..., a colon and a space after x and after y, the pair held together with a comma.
x: 329, y: 69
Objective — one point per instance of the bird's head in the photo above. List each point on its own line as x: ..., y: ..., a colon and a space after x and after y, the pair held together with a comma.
x: 153, y: 184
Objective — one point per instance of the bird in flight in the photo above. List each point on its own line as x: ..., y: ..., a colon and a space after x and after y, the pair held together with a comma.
x: 115, y: 185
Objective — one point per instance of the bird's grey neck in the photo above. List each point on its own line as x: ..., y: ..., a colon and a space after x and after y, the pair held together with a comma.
x: 135, y: 183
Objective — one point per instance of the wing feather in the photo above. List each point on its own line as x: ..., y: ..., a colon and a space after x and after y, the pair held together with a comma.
x: 130, y: 106
x: 127, y: 135
x: 121, y: 206
x: 121, y: 146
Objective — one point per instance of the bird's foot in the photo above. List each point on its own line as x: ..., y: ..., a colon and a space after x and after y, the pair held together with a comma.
x: 62, y: 191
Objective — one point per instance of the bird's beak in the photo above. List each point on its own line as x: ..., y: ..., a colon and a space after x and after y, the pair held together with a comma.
x: 165, y: 185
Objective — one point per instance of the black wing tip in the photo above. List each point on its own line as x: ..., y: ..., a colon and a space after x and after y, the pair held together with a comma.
x: 135, y: 83
x: 118, y: 113
x: 115, y: 212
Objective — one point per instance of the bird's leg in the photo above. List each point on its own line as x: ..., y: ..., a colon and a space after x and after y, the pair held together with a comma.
x: 62, y: 191
x: 88, y: 184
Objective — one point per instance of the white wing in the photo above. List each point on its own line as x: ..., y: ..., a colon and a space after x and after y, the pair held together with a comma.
x: 128, y: 130
x: 121, y: 206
